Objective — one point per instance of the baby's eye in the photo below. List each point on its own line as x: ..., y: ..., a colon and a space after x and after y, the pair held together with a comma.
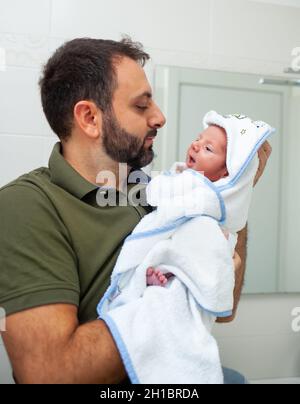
x: 209, y: 149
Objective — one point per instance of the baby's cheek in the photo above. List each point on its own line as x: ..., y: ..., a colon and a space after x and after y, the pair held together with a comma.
x: 201, y: 165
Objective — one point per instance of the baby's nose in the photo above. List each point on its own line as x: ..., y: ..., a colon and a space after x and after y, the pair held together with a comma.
x: 196, y: 146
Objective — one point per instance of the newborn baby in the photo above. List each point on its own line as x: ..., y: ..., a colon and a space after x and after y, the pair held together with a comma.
x: 183, y: 237
x: 207, y: 155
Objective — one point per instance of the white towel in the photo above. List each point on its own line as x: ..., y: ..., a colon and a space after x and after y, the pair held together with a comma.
x: 164, y: 334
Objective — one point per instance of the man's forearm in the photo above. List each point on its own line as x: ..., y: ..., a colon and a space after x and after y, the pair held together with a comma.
x: 90, y: 340
x: 241, y: 250
x: 47, y: 345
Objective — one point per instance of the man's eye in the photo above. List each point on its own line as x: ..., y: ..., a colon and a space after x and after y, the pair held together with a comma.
x: 141, y: 107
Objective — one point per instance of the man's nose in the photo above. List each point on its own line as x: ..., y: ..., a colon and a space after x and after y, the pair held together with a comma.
x: 157, y: 120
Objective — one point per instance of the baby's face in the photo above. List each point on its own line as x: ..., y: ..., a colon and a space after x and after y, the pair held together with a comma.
x: 207, y: 154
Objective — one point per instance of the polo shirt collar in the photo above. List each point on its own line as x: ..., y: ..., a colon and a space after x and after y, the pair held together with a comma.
x: 64, y: 176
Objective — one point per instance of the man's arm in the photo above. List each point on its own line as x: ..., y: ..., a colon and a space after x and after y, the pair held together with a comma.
x: 46, y: 345
x: 264, y: 154
x: 240, y: 259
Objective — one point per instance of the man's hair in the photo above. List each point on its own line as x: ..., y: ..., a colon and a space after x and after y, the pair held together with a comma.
x: 83, y: 69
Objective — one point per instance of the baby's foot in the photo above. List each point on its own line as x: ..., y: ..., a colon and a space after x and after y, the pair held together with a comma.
x: 156, y: 278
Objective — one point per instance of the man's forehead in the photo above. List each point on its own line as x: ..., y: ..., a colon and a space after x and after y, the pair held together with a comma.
x: 132, y: 79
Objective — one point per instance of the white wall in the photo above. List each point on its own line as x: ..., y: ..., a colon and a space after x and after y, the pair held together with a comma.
x: 232, y: 35
x: 261, y: 342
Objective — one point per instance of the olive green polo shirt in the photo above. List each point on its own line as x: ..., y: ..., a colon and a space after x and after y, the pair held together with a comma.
x: 57, y: 245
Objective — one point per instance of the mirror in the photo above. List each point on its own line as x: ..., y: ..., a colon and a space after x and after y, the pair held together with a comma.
x: 185, y: 95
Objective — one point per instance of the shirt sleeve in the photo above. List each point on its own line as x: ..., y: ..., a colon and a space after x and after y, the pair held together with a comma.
x: 38, y: 265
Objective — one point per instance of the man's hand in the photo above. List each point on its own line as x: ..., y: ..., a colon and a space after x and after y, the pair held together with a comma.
x: 264, y: 154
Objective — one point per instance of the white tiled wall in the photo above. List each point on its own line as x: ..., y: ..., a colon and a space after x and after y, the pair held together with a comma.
x: 25, y: 17
x: 235, y: 35
x: 21, y: 111
x: 156, y: 23
x: 254, y: 30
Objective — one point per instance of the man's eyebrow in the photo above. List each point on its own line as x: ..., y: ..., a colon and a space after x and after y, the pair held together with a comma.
x: 146, y: 94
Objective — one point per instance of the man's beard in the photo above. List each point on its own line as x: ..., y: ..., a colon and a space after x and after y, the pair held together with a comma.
x: 123, y: 147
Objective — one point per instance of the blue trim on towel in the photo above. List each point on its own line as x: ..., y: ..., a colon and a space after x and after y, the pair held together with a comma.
x: 247, y: 162
x: 122, y: 349
x: 224, y: 314
x: 169, y: 173
x: 109, y: 292
x: 157, y: 231
x: 170, y: 227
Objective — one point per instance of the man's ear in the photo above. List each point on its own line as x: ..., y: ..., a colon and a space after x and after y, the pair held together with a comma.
x: 88, y: 118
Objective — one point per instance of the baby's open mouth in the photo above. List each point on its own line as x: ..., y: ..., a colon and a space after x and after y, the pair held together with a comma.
x: 191, y: 161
